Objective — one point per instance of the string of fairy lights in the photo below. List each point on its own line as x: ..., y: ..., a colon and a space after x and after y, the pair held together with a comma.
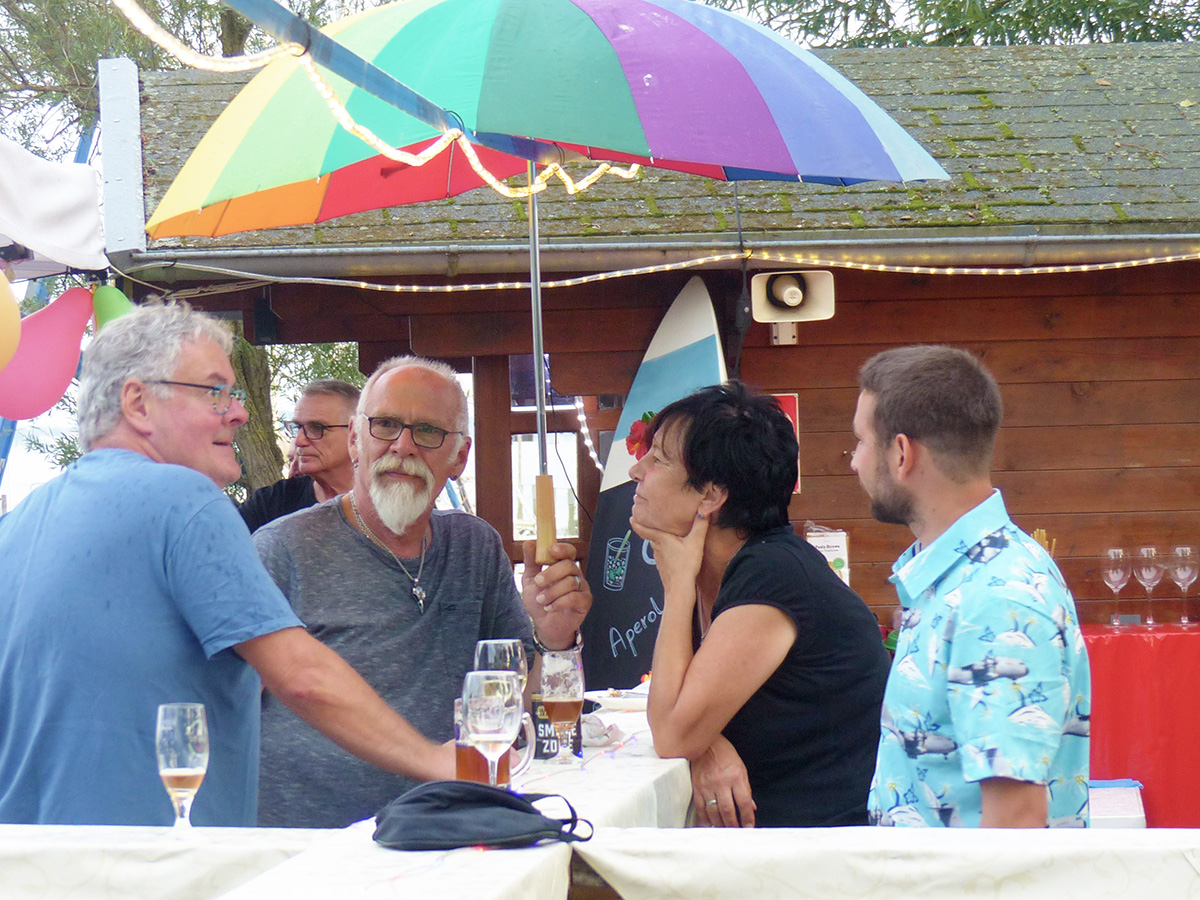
x: 456, y: 137
x: 581, y: 415
x: 141, y: 20
x: 747, y: 255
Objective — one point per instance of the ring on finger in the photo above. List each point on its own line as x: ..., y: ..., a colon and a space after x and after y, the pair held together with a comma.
x: 578, y: 582
x: 712, y: 802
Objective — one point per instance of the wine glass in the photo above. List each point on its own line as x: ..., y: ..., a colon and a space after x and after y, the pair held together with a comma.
x: 1148, y: 570
x: 181, y: 744
x: 1115, y: 571
x: 1182, y: 568
x: 562, y: 697
x: 499, y: 655
x: 492, y: 707
x: 508, y: 654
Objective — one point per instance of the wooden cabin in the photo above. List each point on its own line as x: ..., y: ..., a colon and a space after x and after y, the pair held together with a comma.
x: 1065, y: 252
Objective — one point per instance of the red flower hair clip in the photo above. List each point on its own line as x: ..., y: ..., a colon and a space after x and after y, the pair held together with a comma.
x: 635, y: 441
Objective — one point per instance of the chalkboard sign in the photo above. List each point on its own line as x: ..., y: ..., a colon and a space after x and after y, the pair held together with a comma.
x: 620, y: 629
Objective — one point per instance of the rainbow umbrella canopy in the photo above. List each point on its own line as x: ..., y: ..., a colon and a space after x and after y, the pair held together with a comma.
x: 668, y: 83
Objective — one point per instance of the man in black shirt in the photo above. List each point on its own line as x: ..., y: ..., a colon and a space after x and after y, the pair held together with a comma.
x: 320, y: 429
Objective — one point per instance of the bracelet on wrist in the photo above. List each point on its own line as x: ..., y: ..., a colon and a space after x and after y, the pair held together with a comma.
x: 542, y: 648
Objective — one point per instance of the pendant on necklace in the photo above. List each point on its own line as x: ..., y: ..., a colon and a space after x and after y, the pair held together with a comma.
x: 419, y: 593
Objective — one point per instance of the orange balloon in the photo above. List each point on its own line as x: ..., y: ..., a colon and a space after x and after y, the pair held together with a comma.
x: 47, y: 357
x: 10, y: 322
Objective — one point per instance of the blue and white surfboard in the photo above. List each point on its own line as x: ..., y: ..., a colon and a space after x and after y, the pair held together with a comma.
x: 684, y: 355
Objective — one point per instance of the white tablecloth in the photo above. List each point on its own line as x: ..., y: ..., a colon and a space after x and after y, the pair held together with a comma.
x: 637, y: 802
x: 880, y: 863
x: 101, y: 862
x: 348, y: 865
x: 622, y: 785
x: 626, y: 785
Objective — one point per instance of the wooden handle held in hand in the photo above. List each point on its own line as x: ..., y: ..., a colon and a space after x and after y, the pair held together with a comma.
x: 546, y: 531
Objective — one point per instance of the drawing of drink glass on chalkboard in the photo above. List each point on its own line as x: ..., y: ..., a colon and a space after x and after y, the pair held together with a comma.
x: 619, y: 631
x: 616, y: 562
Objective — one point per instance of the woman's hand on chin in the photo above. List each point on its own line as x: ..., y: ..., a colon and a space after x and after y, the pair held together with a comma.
x: 677, y: 557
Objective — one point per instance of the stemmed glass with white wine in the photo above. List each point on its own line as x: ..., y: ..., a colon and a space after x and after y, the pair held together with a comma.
x: 500, y: 655
x: 1148, y: 570
x: 562, y: 697
x: 181, y: 744
x: 1116, y: 568
x: 1182, y: 569
x: 492, y: 705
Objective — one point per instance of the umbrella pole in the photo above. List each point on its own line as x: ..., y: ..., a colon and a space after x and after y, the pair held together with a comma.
x: 544, y: 485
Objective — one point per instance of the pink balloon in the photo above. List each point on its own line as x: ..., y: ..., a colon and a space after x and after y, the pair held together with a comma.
x: 47, y: 356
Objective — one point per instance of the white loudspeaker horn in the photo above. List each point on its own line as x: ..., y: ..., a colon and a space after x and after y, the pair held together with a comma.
x: 801, y: 296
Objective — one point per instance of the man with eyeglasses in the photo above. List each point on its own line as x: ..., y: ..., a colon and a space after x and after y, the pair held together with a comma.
x: 320, y: 430
x: 402, y: 591
x: 130, y: 581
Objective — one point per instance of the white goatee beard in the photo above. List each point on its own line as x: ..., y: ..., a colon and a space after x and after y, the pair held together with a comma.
x: 400, y: 505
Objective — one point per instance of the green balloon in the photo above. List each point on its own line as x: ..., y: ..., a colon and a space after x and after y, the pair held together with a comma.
x: 108, y: 304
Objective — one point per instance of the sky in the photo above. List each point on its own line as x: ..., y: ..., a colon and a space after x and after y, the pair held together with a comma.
x: 26, y: 469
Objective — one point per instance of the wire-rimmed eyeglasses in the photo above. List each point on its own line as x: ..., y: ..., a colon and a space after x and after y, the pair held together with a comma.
x: 222, y: 395
x: 424, y: 435
x: 314, y: 431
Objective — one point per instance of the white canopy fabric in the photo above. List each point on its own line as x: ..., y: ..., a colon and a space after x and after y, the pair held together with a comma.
x: 50, y: 209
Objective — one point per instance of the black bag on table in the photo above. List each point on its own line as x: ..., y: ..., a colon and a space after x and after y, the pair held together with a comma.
x: 442, y: 815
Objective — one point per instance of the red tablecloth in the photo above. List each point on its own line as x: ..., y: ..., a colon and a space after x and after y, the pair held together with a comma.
x: 1146, y: 716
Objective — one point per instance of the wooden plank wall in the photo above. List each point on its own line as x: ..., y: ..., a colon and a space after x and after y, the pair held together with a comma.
x: 1100, y: 374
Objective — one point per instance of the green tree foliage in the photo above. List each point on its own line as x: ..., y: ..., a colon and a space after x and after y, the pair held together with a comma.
x: 60, y: 448
x: 49, y: 50
x: 883, y: 23
x: 48, y: 53
x: 295, y: 365
x: 280, y: 370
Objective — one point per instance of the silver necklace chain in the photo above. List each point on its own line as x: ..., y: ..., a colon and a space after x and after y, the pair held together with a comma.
x: 418, y: 592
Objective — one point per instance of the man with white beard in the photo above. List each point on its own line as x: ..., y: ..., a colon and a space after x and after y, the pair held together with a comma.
x: 400, y: 590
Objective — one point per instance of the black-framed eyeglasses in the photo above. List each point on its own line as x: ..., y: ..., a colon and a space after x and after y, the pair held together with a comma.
x: 424, y: 435
x: 314, y: 431
x: 222, y: 395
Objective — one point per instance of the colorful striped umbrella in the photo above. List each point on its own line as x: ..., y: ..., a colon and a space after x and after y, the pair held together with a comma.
x: 668, y: 83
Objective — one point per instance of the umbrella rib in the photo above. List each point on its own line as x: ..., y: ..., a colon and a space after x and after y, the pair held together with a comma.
x: 285, y: 25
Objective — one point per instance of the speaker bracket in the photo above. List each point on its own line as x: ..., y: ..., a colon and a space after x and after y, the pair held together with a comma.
x: 783, y: 333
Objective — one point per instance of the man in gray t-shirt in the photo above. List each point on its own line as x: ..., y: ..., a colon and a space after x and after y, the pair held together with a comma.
x: 401, y: 591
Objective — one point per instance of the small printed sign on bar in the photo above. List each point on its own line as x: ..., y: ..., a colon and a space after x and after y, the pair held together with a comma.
x: 835, y: 546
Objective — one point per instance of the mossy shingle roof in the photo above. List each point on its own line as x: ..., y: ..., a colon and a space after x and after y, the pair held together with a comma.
x: 1084, y: 143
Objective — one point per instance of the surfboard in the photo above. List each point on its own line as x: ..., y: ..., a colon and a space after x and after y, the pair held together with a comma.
x: 684, y: 355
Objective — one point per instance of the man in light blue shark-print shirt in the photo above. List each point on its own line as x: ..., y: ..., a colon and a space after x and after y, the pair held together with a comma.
x: 990, y: 678
x: 985, y: 716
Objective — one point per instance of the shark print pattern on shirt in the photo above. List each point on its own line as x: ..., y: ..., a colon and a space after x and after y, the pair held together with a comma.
x: 990, y: 679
